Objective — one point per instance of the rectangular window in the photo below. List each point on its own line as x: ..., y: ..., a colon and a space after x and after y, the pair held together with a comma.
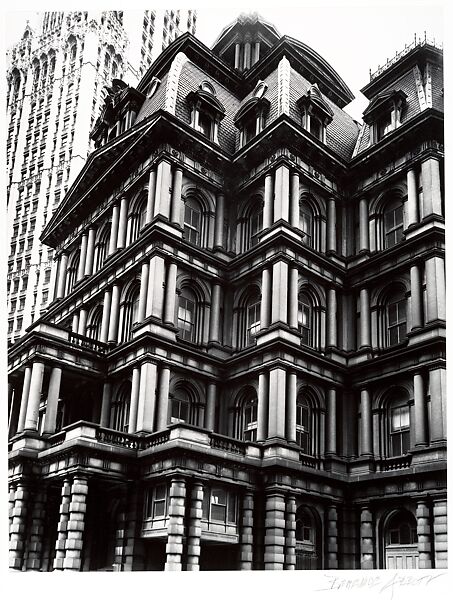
x: 400, y: 430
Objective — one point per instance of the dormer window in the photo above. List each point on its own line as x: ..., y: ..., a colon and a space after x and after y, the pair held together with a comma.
x: 207, y: 111
x: 251, y: 117
x: 384, y: 113
x: 316, y: 114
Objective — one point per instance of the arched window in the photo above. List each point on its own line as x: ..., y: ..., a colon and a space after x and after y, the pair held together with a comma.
x: 306, y: 223
x: 305, y: 319
x: 119, y: 410
x: 253, y: 318
x: 246, y: 411
x: 401, y: 541
x: 94, y: 324
x: 187, y: 315
x: 129, y: 312
x: 308, y: 556
x: 193, y: 221
x: 252, y: 224
x: 393, y: 222
x: 102, y: 247
x: 398, y: 422
x: 137, y: 217
x: 71, y: 275
x: 396, y: 325
x: 186, y: 405
x: 303, y: 424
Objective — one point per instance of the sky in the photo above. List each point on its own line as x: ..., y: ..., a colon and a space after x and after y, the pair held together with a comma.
x: 352, y: 38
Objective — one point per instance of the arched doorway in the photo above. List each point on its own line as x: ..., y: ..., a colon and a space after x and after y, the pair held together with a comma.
x: 308, y: 540
x: 400, y: 536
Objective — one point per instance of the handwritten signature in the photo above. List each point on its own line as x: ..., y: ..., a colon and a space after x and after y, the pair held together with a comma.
x: 380, y: 583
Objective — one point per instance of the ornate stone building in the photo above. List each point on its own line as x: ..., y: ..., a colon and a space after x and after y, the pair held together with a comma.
x: 56, y: 80
x: 243, y: 366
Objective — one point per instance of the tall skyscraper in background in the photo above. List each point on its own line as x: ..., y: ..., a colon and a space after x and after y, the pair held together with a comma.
x: 56, y: 84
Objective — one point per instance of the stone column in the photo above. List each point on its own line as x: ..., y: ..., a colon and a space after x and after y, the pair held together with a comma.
x: 34, y: 397
x: 122, y: 223
x: 53, y: 394
x: 106, y: 316
x: 170, y: 294
x: 135, y: 388
x: 416, y: 298
x: 364, y: 235
x: 366, y: 423
x: 82, y: 324
x: 295, y: 210
x: 277, y: 401
x: 268, y: 201
x: 331, y: 421
x: 176, y: 204
x: 435, y: 289
x: 219, y: 221
x: 290, y: 539
x: 367, y: 550
x: 156, y: 278
x: 332, y: 537
x: 440, y: 534
x: 412, y: 198
x: 424, y: 535
x: 90, y: 251
x: 36, y: 530
x: 263, y: 404
x: 332, y: 318
x: 274, y: 538
x: 162, y: 198
x: 76, y: 524
x: 280, y: 292
x: 24, y: 400
x: 265, y: 313
x: 62, y: 270
x: 291, y: 405
x: 210, y: 406
x: 293, y: 307
x: 214, y: 323
x: 432, y: 199
x: 163, y: 398
x: 141, y: 312
x: 147, y: 398
x: 83, y: 256
x: 246, y: 533
x: 194, y: 527
x: 114, y: 314
x: 365, y: 324
x: 176, y: 510
x: 150, y: 200
x: 11, y: 496
x: 281, y: 195
x: 18, y: 527
x: 331, y: 225
x: 237, y: 55
x: 114, y: 229
x: 106, y: 402
x: 421, y: 438
x: 247, y: 54
x: 438, y: 395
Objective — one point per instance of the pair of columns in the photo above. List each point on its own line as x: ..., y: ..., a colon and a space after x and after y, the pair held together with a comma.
x: 431, y: 202
x: 277, y: 408
x: 431, y: 535
x: 31, y: 398
x: 282, y: 202
x: 246, y: 54
x: 149, y: 402
x: 437, y: 393
x: 164, y: 193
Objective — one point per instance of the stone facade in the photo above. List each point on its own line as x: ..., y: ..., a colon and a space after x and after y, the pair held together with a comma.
x: 243, y: 366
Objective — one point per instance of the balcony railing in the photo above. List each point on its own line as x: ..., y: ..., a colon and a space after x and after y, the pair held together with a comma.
x: 83, y: 341
x: 220, y: 442
x: 309, y: 461
x: 393, y: 464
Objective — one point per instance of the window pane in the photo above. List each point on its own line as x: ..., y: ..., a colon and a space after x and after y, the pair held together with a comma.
x: 159, y: 508
x: 218, y: 513
x: 231, y: 508
x: 404, y: 417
